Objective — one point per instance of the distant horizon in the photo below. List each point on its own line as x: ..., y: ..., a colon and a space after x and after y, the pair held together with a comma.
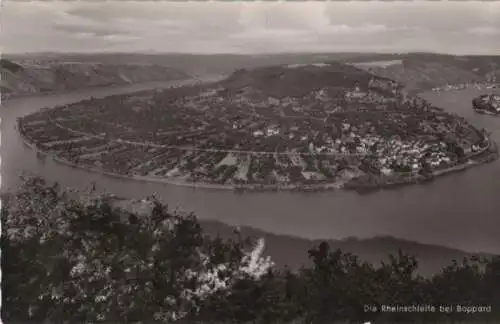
x: 251, y: 28
x: 245, y: 54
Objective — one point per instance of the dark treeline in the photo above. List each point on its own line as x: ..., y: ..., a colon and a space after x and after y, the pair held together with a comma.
x: 68, y: 260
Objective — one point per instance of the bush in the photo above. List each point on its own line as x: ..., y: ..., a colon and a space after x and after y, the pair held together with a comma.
x: 68, y: 259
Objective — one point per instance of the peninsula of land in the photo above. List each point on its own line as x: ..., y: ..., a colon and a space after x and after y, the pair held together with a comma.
x: 303, y: 127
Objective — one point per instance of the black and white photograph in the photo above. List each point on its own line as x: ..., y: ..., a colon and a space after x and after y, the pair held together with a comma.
x: 267, y: 162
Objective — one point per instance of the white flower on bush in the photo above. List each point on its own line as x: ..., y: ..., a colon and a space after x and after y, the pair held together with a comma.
x: 31, y: 217
x: 78, y: 269
x: 211, y: 281
x: 254, y: 264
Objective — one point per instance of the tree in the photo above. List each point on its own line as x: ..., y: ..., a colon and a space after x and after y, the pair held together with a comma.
x: 78, y: 258
x: 72, y: 260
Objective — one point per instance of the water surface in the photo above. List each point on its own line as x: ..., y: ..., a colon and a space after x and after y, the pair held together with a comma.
x: 460, y: 210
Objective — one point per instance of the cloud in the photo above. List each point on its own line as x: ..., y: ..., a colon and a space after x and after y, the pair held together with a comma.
x: 290, y: 16
x: 354, y: 30
x: 93, y: 30
x: 250, y: 27
x: 485, y: 31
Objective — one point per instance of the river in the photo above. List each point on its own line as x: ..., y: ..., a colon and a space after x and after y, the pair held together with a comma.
x: 461, y: 210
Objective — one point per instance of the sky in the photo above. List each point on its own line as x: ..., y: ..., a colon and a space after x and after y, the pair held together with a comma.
x: 250, y: 27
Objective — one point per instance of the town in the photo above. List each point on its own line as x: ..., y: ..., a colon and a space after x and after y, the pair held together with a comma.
x: 487, y: 104
x: 310, y: 127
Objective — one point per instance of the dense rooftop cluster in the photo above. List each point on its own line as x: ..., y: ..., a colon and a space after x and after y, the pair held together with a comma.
x: 285, y: 126
x: 474, y: 85
x: 487, y: 103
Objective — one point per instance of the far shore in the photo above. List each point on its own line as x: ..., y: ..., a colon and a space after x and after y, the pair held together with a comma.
x: 70, y: 91
x: 161, y: 84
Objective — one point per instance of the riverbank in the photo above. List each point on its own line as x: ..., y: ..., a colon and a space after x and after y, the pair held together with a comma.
x: 8, y: 96
x: 486, y: 155
x: 486, y: 112
x: 177, y: 182
x: 147, y: 86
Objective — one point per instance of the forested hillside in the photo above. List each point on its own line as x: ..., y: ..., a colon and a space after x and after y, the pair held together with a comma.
x: 18, y: 79
x: 425, y: 71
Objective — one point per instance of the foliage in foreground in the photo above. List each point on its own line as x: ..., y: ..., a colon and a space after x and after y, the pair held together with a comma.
x: 67, y: 260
